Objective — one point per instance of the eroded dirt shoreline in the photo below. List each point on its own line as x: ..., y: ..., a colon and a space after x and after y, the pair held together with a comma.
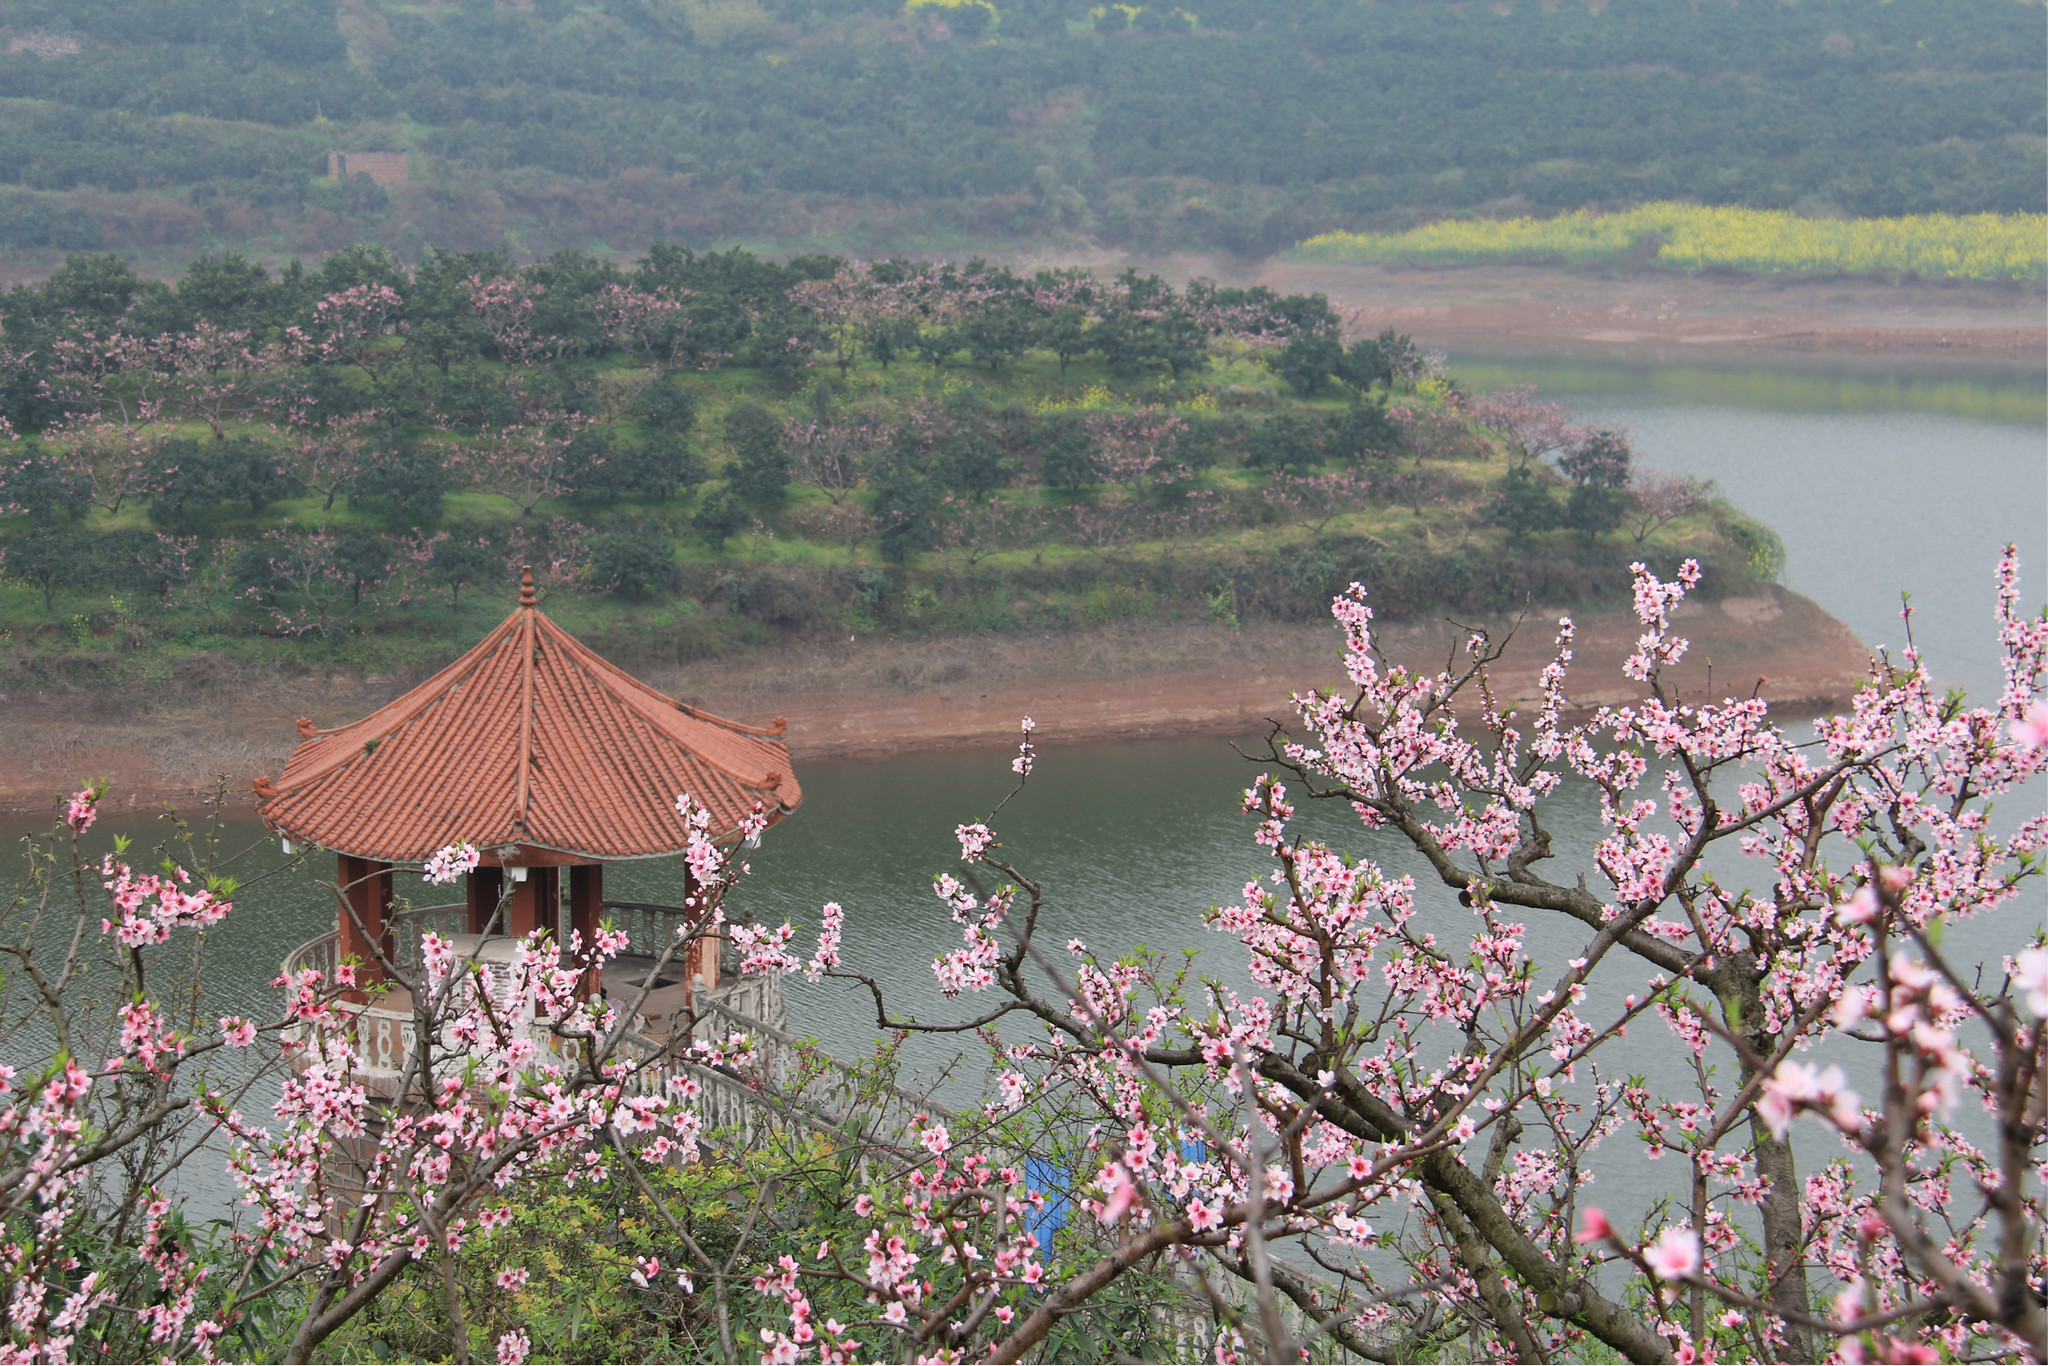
x: 865, y: 698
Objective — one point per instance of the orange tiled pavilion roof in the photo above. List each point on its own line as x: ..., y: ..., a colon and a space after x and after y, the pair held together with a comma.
x: 529, y: 740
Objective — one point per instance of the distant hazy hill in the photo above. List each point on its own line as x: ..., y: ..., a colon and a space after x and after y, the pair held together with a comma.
x: 168, y: 128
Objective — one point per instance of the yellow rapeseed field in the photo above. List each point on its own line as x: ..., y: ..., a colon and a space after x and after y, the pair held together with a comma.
x: 1978, y: 246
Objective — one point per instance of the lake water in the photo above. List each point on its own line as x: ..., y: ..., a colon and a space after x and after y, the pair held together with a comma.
x: 1879, y: 479
x: 1882, y: 476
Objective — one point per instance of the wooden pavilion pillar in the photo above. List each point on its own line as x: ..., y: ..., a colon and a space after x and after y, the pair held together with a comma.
x: 536, y: 902
x: 586, y: 909
x: 486, y: 886
x: 365, y: 914
x: 700, y: 963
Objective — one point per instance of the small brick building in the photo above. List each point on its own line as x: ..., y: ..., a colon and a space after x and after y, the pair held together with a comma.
x: 386, y: 168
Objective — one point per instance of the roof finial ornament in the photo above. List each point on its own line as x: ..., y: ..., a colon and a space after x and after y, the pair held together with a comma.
x: 526, y: 597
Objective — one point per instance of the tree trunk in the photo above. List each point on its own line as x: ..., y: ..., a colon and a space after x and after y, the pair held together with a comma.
x: 1784, y: 1231
x: 1784, y: 1238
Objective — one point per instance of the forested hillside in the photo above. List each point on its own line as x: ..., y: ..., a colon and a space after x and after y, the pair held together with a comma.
x: 168, y: 128
x: 345, y: 468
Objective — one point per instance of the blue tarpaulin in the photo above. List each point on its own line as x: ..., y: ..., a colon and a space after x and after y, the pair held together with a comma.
x: 1044, y: 1178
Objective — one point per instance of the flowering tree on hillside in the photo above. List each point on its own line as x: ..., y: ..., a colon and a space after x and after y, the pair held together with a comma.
x: 1656, y: 498
x: 557, y: 550
x: 522, y: 462
x: 110, y: 374
x: 511, y: 1069
x: 349, y: 328
x: 1532, y: 429
x: 217, y: 375
x: 310, y: 581
x: 862, y: 305
x: 977, y: 528
x: 1315, y: 500
x: 1399, y: 1052
x: 1138, y: 447
x: 645, y: 322
x: 116, y: 411
x: 330, y: 456
x: 833, y: 452
x: 505, y: 307
x: 848, y: 301
x: 1434, y: 433
x: 114, y: 459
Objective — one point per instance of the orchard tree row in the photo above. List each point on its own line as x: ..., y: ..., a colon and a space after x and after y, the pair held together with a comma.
x: 318, y: 450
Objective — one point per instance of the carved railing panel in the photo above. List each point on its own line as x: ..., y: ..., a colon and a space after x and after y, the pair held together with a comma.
x: 650, y: 927
x: 411, y: 924
x: 804, y: 1079
x: 790, y: 1082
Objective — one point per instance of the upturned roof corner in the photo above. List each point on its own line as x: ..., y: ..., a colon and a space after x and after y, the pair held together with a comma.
x: 530, y: 739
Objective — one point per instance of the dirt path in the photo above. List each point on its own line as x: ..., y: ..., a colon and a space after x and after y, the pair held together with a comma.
x: 866, y: 698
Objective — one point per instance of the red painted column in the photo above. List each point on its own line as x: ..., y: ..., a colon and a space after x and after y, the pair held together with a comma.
x: 536, y: 902
x: 386, y: 894
x: 547, y: 903
x: 519, y: 911
x: 700, y: 966
x: 586, y: 910
x: 366, y: 892
x: 486, y: 885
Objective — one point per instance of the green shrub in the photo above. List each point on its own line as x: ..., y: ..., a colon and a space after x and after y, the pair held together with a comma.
x: 1114, y: 602
x: 408, y: 485
x: 637, y: 560
x: 1760, y: 549
x: 720, y: 518
x: 666, y: 406
x: 1523, y: 505
x: 761, y: 464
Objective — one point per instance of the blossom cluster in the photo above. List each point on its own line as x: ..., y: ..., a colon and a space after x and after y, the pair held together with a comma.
x: 1396, y: 1054
x: 153, y: 905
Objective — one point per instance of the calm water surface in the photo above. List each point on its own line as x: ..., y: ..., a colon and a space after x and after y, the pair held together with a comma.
x: 1882, y: 477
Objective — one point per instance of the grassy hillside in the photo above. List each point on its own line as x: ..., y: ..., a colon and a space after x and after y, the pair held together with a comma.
x: 344, y: 470
x: 169, y: 128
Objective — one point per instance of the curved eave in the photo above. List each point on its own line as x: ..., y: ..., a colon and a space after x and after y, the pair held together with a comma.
x: 528, y: 739
x: 726, y: 837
